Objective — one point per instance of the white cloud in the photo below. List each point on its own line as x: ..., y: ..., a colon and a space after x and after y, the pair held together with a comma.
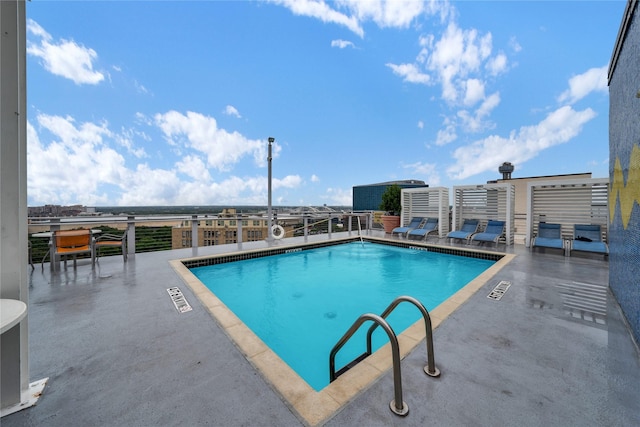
x: 513, y: 43
x: 428, y: 171
x: 230, y: 110
x: 63, y: 58
x: 80, y: 163
x: 341, y: 43
x: 594, y: 79
x: 477, y: 122
x: 558, y: 127
x: 497, y: 64
x: 387, y: 13
x: 352, y: 14
x: 194, y: 167
x: 454, y: 56
x: 201, y: 133
x: 75, y: 165
x: 338, y: 197
x: 320, y: 10
x: 410, y: 73
x: 420, y: 124
x: 474, y: 91
x: 315, y: 178
x: 448, y: 134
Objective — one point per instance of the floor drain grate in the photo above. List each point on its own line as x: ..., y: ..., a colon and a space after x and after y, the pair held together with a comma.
x: 179, y: 300
x: 499, y: 290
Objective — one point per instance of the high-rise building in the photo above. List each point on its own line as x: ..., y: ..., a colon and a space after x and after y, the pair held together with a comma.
x: 368, y: 197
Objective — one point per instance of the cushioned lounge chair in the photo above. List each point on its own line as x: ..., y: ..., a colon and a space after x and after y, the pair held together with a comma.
x: 429, y: 226
x: 469, y: 227
x: 492, y: 232
x: 413, y: 224
x: 588, y: 238
x: 549, y: 236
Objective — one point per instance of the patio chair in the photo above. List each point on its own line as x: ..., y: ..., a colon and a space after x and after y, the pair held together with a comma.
x: 492, y: 232
x: 65, y: 243
x: 413, y: 224
x: 111, y: 241
x: 549, y: 236
x: 469, y: 227
x: 429, y: 226
x: 588, y: 238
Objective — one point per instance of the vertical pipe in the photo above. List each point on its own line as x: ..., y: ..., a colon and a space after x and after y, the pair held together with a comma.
x: 269, y: 208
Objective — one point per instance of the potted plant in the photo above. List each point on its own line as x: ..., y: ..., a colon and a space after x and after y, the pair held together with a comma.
x: 391, y: 205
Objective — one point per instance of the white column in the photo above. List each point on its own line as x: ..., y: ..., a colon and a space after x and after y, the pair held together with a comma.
x: 14, y: 378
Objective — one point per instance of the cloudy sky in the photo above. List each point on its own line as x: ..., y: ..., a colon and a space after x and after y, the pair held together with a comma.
x: 171, y: 103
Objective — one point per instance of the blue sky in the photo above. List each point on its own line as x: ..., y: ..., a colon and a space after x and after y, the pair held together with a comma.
x: 171, y: 103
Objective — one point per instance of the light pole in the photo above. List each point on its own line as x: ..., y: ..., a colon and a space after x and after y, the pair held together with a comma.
x: 269, y: 209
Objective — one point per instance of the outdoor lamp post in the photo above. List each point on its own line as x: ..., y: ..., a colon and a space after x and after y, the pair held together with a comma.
x: 269, y: 209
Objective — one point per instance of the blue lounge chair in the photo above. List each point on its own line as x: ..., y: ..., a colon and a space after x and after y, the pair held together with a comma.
x: 413, y: 224
x: 491, y: 233
x: 588, y: 238
x: 430, y: 226
x: 549, y: 236
x: 469, y: 227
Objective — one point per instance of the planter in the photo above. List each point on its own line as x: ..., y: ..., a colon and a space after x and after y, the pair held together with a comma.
x: 389, y: 222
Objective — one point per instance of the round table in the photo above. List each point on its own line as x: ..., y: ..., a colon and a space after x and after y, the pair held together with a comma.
x: 12, y: 312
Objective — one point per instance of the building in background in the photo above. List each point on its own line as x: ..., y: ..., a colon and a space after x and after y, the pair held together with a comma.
x: 368, y: 197
x: 219, y: 230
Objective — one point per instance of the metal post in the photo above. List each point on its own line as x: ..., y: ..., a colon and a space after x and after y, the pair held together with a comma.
x: 269, y: 209
x: 239, y: 231
x: 306, y: 228
x: 131, y: 236
x: 194, y: 234
x: 54, y: 261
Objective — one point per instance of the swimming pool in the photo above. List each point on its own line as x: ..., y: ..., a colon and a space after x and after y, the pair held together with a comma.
x: 315, y: 407
x: 302, y: 301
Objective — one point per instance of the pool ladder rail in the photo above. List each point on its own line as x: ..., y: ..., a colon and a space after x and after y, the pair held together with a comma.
x: 397, y: 405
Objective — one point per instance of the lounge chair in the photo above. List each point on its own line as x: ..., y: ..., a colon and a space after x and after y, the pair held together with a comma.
x: 413, y: 224
x: 588, y: 238
x: 549, y: 236
x: 492, y: 232
x: 469, y: 227
x: 429, y: 226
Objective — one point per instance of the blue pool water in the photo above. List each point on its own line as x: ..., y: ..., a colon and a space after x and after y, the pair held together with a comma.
x: 301, y: 303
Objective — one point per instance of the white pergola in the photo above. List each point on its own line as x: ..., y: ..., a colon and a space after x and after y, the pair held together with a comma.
x: 485, y: 202
x: 568, y: 202
x: 426, y: 202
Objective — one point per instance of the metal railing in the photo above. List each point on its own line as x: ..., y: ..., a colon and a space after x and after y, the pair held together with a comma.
x: 397, y: 405
x: 157, y: 232
x: 430, y: 369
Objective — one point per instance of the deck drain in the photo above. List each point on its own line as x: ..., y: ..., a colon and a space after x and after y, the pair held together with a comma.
x: 179, y: 300
x: 499, y: 290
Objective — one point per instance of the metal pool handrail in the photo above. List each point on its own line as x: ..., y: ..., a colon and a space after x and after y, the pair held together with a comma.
x: 397, y: 405
x: 430, y: 369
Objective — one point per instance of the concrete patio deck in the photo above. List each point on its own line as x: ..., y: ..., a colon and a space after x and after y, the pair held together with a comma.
x: 553, y: 351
